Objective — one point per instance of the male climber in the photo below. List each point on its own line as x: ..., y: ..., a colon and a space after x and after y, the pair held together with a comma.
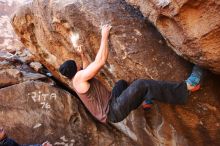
x: 115, y: 106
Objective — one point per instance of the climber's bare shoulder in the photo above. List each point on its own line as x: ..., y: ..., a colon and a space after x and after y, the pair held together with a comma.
x: 79, y: 84
x: 80, y: 80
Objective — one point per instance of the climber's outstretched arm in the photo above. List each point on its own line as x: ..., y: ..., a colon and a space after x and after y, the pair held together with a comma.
x: 93, y: 68
x: 84, y: 59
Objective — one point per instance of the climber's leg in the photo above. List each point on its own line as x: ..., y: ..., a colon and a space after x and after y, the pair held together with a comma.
x: 140, y: 90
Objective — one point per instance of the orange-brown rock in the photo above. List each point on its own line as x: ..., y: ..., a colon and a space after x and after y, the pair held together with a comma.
x: 136, y: 51
x: 191, y: 28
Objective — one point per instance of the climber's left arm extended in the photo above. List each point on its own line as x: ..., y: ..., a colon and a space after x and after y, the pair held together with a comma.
x: 84, y: 59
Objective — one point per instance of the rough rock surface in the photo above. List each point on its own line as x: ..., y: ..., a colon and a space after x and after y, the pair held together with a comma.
x: 191, y: 28
x: 14, y: 71
x: 136, y: 51
x: 33, y: 110
x: 8, y: 39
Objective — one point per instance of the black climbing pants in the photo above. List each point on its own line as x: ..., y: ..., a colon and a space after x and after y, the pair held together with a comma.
x: 127, y: 98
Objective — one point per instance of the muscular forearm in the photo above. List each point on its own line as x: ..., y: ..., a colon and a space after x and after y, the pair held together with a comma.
x: 103, y: 52
x: 93, y: 68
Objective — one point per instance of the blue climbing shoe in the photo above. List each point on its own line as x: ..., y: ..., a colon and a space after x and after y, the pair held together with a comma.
x: 147, y: 104
x: 195, y: 78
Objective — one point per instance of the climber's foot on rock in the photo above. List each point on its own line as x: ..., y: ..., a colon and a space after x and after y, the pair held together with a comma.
x: 194, y: 80
x: 147, y: 104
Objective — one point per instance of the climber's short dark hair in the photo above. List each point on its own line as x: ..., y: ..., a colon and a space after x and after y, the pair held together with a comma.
x: 68, y: 69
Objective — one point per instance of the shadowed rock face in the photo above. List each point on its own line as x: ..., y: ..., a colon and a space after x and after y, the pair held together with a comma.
x: 136, y: 51
x: 191, y: 28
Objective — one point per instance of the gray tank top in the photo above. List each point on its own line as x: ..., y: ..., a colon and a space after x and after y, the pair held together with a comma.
x: 96, y: 100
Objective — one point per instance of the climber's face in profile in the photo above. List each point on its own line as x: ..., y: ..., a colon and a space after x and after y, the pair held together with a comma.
x: 2, y: 133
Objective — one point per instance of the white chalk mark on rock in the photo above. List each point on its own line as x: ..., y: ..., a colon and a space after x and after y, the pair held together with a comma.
x: 74, y: 39
x: 163, y: 3
x: 63, y: 138
x: 37, y: 125
x: 59, y: 143
x: 65, y: 142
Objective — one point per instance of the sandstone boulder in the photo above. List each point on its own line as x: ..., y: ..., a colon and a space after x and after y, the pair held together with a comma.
x: 137, y: 50
x: 34, y: 111
x: 191, y: 28
x: 12, y: 73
